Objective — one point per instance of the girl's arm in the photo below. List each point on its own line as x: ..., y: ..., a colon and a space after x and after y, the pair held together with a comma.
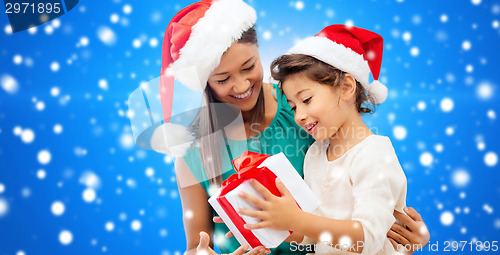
x: 295, y: 237
x: 282, y: 213
x: 378, y: 187
x: 341, y: 234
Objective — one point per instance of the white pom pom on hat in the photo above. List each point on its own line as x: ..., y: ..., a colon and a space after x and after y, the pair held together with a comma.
x: 378, y: 92
x: 351, y: 49
x: 171, y: 139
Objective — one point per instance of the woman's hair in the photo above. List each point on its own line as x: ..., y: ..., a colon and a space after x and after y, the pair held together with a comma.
x: 249, y: 36
x: 208, y: 125
x: 318, y: 71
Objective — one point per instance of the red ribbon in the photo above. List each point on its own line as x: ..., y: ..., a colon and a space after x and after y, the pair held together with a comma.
x: 246, y: 168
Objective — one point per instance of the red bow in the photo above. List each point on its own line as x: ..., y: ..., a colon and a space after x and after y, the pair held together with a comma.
x: 246, y: 168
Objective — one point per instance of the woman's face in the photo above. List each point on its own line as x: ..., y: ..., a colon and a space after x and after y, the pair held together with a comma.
x: 238, y: 78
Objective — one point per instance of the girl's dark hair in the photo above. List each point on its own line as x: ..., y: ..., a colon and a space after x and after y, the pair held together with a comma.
x: 318, y: 71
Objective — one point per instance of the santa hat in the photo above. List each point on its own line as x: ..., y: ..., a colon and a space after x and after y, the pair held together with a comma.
x: 351, y: 49
x: 195, y: 40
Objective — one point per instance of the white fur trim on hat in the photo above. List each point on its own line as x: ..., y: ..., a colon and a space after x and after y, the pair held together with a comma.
x: 222, y: 25
x: 336, y: 55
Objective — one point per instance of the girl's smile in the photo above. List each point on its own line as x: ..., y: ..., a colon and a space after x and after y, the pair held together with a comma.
x: 311, y: 127
x: 316, y: 106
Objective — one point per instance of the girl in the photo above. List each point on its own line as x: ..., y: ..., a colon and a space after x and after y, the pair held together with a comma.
x: 212, y: 45
x: 354, y: 172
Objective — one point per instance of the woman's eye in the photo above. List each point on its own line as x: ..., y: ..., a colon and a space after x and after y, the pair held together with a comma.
x: 306, y: 101
x: 223, y: 81
x: 294, y: 108
x: 250, y: 68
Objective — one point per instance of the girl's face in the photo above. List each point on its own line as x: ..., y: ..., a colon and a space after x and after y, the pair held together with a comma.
x: 238, y: 78
x: 317, y: 107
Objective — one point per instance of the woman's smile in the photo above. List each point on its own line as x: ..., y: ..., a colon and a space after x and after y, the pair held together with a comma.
x: 238, y: 78
x: 244, y: 96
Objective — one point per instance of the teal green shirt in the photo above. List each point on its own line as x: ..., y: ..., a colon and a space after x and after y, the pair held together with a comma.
x: 282, y: 135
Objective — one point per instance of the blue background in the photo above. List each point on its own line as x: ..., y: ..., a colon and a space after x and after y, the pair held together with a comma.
x: 448, y: 153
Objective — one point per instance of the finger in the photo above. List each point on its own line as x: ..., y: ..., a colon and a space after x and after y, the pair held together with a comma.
x: 406, y: 220
x: 397, y: 237
x: 394, y: 244
x: 253, y: 200
x: 257, y: 251
x: 229, y: 234
x: 403, y: 231
x: 282, y: 188
x: 259, y: 225
x: 218, y: 219
x: 397, y: 246
x: 262, y: 190
x: 255, y: 214
x: 204, y: 242
x: 241, y: 250
x: 413, y: 213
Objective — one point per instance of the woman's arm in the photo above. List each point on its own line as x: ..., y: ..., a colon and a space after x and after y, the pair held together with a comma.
x: 196, y: 211
x: 412, y: 238
x: 197, y: 217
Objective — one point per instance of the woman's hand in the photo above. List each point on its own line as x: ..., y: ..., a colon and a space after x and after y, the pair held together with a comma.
x: 412, y: 238
x: 276, y: 212
x: 218, y: 219
x: 204, y: 248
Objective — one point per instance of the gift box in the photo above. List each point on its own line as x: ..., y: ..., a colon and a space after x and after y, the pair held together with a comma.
x: 264, y: 169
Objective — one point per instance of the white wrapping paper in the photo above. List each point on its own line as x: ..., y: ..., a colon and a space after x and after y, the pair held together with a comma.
x: 284, y: 170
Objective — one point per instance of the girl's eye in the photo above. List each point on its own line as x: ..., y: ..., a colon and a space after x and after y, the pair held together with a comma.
x: 294, y: 108
x: 223, y: 81
x: 250, y: 68
x: 306, y: 101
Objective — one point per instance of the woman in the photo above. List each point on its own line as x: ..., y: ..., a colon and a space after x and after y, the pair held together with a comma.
x: 212, y: 46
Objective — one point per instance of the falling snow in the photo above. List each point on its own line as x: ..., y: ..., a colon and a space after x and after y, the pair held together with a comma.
x: 57, y: 208
x: 65, y: 237
x: 71, y: 157
x: 447, y: 218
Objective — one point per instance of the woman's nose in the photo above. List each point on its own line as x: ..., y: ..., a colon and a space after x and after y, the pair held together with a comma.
x: 241, y: 84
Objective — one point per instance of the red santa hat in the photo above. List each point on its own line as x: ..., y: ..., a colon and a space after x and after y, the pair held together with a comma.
x: 195, y: 40
x: 351, y: 49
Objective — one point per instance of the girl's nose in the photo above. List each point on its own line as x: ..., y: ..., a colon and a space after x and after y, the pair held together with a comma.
x: 300, y: 116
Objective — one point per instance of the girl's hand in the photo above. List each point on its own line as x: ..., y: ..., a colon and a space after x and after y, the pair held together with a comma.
x: 276, y: 212
x: 204, y: 248
x: 414, y: 237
